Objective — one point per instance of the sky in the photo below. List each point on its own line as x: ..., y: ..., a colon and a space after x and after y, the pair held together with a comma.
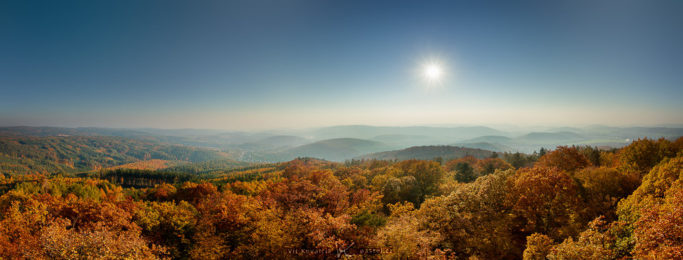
x: 290, y: 64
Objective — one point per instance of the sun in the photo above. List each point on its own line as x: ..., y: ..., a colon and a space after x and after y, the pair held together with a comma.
x: 432, y: 72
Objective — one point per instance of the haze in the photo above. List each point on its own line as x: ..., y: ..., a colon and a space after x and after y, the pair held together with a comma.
x: 245, y: 65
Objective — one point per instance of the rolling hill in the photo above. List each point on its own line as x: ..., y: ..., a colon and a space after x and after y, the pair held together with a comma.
x: 549, y: 138
x: 496, y: 147
x: 338, y: 149
x: 368, y: 132
x: 489, y: 139
x: 63, y: 131
x: 277, y: 142
x: 282, y: 145
x: 446, y: 152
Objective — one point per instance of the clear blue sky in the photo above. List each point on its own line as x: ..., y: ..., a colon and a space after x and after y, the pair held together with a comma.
x: 271, y: 64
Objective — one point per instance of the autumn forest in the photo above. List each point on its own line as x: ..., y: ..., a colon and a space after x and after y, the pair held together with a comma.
x: 572, y: 202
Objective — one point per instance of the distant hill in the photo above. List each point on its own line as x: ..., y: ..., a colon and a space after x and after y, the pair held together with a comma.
x: 275, y: 143
x: 446, y: 152
x: 632, y: 132
x: 180, y: 132
x: 549, y: 137
x: 65, y: 154
x: 368, y: 132
x: 283, y: 145
x: 190, y: 137
x: 63, y: 131
x: 496, y: 147
x: 338, y: 149
x: 489, y: 139
x: 401, y: 140
x: 494, y: 143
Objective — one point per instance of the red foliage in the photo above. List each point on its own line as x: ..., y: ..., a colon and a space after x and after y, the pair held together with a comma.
x: 544, y: 200
x: 564, y: 158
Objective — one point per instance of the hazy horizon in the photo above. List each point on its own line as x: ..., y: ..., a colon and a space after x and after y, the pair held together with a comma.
x: 279, y: 130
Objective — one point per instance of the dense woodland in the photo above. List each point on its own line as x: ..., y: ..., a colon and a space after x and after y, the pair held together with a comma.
x: 568, y: 203
x: 70, y: 154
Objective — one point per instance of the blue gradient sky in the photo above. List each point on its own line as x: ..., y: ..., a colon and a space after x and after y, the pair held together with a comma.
x: 273, y: 64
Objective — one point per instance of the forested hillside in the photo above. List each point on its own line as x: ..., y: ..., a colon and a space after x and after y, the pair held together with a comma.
x: 67, y: 154
x: 567, y: 203
x: 429, y: 152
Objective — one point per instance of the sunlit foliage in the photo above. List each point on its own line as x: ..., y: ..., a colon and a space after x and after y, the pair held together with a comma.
x: 564, y: 158
x: 574, y: 203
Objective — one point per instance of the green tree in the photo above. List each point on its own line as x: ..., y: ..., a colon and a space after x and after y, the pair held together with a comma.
x: 464, y: 172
